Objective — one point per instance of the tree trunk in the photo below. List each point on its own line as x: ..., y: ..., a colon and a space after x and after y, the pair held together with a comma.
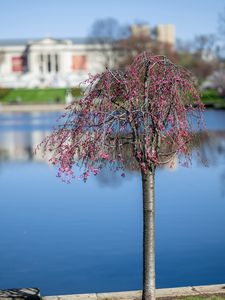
x: 148, y: 236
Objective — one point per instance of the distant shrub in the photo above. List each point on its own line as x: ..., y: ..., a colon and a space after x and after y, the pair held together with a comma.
x: 4, y: 92
x: 76, y: 92
x: 211, y: 94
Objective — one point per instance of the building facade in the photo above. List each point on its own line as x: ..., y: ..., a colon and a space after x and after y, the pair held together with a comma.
x: 61, y: 63
x: 166, y: 34
x: 48, y: 63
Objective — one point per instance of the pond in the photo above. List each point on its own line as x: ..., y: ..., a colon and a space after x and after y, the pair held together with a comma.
x: 87, y: 237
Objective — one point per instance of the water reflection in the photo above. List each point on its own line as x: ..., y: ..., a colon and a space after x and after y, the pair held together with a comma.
x: 19, y: 145
x: 81, y: 238
x: 211, y: 146
x: 21, y: 133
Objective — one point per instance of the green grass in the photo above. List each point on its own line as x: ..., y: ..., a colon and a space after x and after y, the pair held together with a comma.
x: 52, y: 95
x: 212, y: 98
x: 32, y: 96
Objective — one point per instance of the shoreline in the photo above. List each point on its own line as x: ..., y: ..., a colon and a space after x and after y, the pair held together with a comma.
x: 167, y: 293
x: 29, y: 108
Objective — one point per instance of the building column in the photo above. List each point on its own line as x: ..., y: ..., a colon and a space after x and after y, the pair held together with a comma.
x: 53, y: 63
x: 45, y: 63
x: 56, y: 63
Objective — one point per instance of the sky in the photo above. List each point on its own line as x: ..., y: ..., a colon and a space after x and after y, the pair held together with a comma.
x: 74, y: 18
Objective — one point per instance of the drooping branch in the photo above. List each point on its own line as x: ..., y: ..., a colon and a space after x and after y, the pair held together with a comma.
x: 153, y: 105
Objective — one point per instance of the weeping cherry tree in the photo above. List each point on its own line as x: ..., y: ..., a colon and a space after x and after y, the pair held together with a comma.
x: 153, y: 107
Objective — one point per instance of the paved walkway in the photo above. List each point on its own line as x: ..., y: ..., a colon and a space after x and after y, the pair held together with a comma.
x: 172, y: 293
x: 20, y: 108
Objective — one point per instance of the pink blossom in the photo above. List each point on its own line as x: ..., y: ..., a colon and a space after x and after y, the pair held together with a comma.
x: 146, y: 108
x: 104, y: 155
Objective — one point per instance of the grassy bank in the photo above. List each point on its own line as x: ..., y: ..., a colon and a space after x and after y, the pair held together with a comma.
x: 35, y: 96
x: 57, y: 95
x: 211, y: 98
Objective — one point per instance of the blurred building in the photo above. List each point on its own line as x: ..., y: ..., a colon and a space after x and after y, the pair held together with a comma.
x: 166, y: 34
x: 62, y: 62
x: 140, y: 30
x: 163, y: 33
x: 48, y: 62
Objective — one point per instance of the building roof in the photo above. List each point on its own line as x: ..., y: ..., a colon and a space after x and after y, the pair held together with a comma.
x: 13, y: 42
x: 24, y: 42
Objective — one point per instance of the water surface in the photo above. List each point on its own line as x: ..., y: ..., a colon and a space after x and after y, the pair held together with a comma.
x: 87, y: 237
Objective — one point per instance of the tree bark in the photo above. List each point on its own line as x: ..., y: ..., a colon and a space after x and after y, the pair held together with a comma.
x: 148, y: 236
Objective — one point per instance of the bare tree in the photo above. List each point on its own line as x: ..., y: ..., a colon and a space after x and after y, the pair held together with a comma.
x: 120, y: 44
x: 136, y: 44
x: 221, y: 24
x: 106, y: 33
x: 2, y: 57
x: 220, y: 46
x: 199, y: 55
x: 203, y: 46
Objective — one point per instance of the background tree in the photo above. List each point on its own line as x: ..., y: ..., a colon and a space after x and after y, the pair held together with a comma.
x: 199, y: 56
x: 106, y: 33
x: 149, y: 107
x: 221, y: 35
x: 140, y: 39
x: 203, y: 45
x: 119, y: 44
x: 221, y: 23
x: 132, y: 46
x: 2, y: 57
